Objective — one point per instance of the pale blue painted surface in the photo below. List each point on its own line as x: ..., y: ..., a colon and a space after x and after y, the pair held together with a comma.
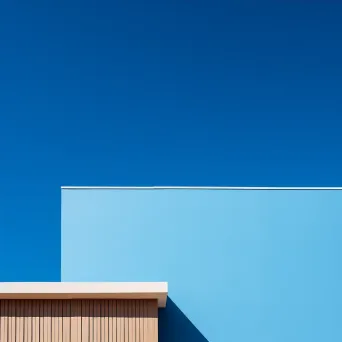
x: 243, y: 266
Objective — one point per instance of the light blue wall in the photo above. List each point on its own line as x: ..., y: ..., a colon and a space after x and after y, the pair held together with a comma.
x: 243, y: 266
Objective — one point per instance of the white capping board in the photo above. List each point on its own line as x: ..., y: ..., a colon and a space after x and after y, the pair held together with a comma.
x: 82, y: 290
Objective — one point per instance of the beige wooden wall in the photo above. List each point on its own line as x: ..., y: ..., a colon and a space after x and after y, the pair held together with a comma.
x: 78, y: 321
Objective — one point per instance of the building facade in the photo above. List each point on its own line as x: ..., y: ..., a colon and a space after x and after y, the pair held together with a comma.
x: 241, y: 264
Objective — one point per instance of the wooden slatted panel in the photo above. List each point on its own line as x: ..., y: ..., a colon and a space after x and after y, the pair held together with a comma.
x: 78, y: 321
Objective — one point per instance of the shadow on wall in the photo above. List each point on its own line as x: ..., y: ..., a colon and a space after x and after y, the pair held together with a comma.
x: 174, y: 326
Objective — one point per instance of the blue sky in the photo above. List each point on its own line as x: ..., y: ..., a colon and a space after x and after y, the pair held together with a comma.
x: 181, y: 92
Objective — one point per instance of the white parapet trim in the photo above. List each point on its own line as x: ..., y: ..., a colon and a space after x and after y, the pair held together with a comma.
x: 83, y: 290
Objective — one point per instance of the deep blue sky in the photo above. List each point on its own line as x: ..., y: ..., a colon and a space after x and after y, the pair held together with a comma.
x: 181, y: 92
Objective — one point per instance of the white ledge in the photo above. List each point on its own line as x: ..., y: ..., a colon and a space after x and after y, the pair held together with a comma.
x: 68, y: 290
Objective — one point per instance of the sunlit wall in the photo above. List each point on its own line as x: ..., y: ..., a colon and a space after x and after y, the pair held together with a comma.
x: 242, y: 265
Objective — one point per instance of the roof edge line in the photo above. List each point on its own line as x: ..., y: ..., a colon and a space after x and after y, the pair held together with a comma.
x: 197, y: 188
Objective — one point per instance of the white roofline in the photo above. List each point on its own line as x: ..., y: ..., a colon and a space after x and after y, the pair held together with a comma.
x: 196, y: 188
x: 83, y: 290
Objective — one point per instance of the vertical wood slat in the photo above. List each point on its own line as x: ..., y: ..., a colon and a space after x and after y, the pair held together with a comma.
x: 112, y: 321
x: 97, y: 321
x: 153, y: 311
x: 73, y: 321
x: 145, y: 319
x: 35, y: 321
x: 60, y: 320
x: 66, y: 321
x: 19, y: 326
x: 54, y: 336
x: 102, y: 322
x: 118, y: 320
x: 44, y: 318
x: 115, y: 320
x: 12, y: 321
x: 91, y: 320
x: 136, y: 321
x: 58, y: 313
x: 47, y: 320
x: 106, y: 321
x: 149, y: 319
x: 85, y: 320
x: 131, y: 320
x: 126, y: 326
x: 7, y: 319
x: 9, y: 326
x: 78, y: 321
x: 127, y: 321
x: 156, y: 331
x: 141, y: 320
x: 28, y: 320
x: 4, y: 320
x: 40, y: 304
x: 122, y: 321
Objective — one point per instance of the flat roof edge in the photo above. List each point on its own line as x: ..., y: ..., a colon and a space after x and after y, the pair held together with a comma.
x: 196, y: 188
x: 83, y: 290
